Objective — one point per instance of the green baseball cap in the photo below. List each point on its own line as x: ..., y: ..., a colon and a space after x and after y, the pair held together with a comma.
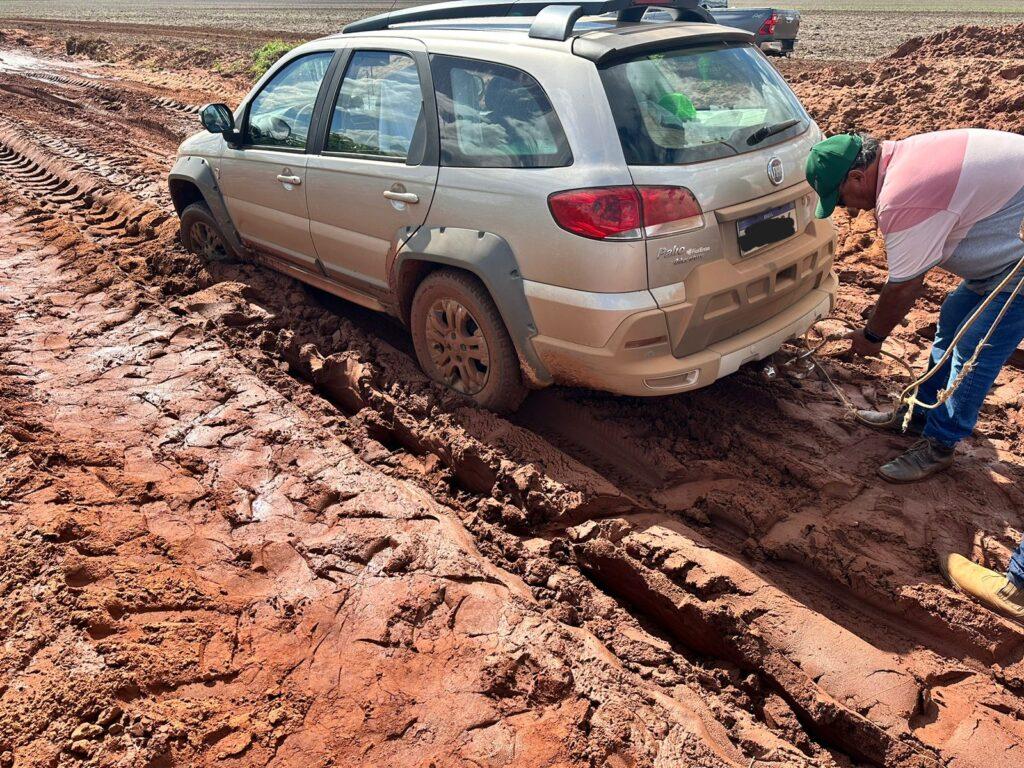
x: 827, y: 165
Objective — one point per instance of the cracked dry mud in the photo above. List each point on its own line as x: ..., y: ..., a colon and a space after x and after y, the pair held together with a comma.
x: 240, y: 528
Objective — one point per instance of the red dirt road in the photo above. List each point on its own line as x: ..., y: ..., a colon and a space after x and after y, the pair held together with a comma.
x: 183, y: 538
x: 238, y: 527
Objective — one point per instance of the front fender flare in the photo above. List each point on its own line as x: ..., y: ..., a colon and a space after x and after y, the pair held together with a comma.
x: 197, y: 171
x: 490, y: 258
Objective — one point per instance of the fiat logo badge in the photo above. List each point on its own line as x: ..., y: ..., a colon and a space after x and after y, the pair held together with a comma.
x: 775, y: 173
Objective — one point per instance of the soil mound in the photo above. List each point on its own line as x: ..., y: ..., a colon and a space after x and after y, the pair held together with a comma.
x: 94, y: 48
x: 967, y: 77
x: 965, y: 40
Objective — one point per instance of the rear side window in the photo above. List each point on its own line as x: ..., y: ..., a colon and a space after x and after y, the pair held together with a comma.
x: 494, y: 116
x: 281, y: 113
x: 695, y: 104
x: 379, y: 106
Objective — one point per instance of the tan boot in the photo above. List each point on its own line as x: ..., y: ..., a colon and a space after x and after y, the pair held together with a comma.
x: 988, y: 587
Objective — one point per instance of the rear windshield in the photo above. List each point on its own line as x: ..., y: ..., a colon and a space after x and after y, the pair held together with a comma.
x: 697, y: 104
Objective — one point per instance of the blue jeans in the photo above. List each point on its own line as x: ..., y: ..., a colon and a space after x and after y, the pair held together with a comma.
x: 1015, y: 572
x: 955, y: 419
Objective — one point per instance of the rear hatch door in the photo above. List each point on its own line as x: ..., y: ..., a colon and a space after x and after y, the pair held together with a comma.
x: 737, y: 196
x: 719, y: 121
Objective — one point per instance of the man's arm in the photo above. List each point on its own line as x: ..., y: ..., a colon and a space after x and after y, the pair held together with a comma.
x: 894, y: 302
x: 914, y: 241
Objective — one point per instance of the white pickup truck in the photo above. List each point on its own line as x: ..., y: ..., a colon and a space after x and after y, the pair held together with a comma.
x: 776, y: 29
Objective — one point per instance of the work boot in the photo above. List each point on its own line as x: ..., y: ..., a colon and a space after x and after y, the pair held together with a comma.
x: 988, y: 587
x: 885, y: 420
x: 923, y: 459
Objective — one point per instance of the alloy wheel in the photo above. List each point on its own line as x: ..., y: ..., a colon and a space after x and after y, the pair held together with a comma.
x: 207, y: 241
x: 457, y: 346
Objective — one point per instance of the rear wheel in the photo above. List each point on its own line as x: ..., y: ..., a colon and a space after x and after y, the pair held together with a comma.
x: 201, y: 234
x: 461, y: 341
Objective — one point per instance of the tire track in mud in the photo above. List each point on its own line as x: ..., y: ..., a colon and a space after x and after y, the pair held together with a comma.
x: 175, y: 106
x: 512, y: 483
x: 712, y: 491
x: 721, y: 634
x: 77, y: 82
x: 104, y: 219
x: 107, y: 97
x: 581, y: 432
x: 120, y: 172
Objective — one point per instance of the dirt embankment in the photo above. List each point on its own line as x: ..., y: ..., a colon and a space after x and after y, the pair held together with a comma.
x: 188, y: 64
x: 964, y: 77
x: 240, y: 528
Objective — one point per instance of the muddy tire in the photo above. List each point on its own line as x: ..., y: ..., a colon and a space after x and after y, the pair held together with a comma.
x: 461, y: 341
x: 201, y: 234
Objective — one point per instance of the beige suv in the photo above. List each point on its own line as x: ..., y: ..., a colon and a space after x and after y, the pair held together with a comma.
x: 541, y: 194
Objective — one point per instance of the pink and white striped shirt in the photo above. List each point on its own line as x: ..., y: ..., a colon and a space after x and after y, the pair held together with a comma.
x: 953, y: 199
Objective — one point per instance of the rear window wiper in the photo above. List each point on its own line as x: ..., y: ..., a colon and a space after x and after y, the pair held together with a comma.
x: 764, y: 132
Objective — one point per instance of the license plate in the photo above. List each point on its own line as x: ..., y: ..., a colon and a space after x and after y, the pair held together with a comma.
x: 765, y: 228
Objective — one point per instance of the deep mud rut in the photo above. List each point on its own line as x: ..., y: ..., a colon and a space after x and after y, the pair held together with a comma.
x: 240, y: 527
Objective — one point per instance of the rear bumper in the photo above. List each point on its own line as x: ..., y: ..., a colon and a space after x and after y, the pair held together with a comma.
x: 773, y: 45
x: 632, y: 360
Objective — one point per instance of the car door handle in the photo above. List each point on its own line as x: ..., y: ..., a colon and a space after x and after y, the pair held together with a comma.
x: 402, y: 197
x: 288, y: 179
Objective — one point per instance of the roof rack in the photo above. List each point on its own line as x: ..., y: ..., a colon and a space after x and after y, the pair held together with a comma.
x: 554, y: 19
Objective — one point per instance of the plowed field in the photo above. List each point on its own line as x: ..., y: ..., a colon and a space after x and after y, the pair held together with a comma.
x: 238, y: 527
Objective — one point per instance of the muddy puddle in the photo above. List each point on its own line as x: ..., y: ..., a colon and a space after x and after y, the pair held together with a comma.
x: 15, y: 61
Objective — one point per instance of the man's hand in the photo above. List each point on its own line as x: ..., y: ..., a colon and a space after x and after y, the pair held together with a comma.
x: 894, y: 303
x: 860, y: 346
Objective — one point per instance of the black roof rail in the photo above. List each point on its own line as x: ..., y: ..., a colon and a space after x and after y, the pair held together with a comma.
x: 554, y: 18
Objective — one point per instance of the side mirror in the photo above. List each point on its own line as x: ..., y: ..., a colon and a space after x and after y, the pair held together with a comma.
x: 217, y: 118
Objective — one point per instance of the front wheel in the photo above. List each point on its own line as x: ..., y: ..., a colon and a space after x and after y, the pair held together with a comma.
x: 201, y: 234
x: 461, y: 341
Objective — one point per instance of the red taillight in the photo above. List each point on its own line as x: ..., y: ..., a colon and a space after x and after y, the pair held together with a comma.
x: 626, y: 213
x: 768, y: 28
x: 602, y: 213
x: 669, y: 209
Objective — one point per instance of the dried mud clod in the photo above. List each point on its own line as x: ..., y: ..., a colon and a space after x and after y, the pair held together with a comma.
x: 716, y: 632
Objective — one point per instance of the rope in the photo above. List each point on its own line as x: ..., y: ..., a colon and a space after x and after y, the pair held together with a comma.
x: 908, y: 396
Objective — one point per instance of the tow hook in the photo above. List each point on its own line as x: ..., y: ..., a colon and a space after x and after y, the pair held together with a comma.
x: 798, y: 367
